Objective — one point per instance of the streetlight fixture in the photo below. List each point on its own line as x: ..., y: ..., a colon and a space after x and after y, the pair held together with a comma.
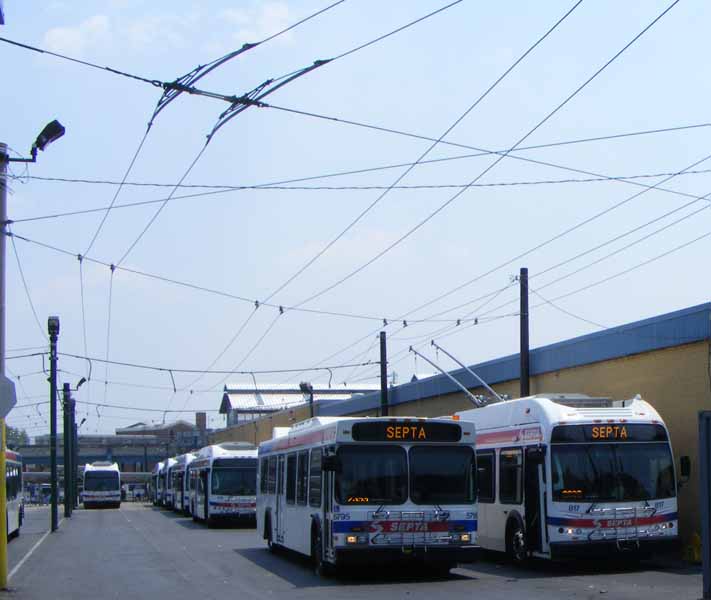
x: 51, y: 133
x: 307, y: 388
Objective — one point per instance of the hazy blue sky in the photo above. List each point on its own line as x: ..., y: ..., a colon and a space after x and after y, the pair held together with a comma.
x: 247, y: 243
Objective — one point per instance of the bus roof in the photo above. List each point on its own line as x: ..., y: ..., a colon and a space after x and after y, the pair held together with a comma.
x: 185, y: 459
x: 553, y: 409
x: 227, y: 450
x: 101, y: 466
x: 158, y: 468
x: 320, y: 430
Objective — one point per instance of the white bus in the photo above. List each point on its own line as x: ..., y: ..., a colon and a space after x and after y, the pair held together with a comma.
x: 224, y: 483
x: 346, y: 490
x: 168, y: 472
x: 156, y: 483
x: 567, y: 475
x: 13, y: 488
x: 102, y: 485
x: 180, y: 483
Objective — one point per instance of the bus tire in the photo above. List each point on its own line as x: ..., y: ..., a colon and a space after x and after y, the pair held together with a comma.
x: 269, y: 535
x: 516, y: 548
x: 321, y: 568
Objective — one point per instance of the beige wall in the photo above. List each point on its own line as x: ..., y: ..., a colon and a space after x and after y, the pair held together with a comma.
x: 674, y: 380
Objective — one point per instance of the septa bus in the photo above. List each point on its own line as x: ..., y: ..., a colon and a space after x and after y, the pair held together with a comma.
x: 366, y: 490
x: 567, y: 475
x: 167, y: 478
x: 224, y: 480
x: 102, y: 485
x: 180, y: 482
x: 155, y: 489
x: 15, y: 512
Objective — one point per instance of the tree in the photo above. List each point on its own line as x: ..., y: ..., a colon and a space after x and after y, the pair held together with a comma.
x: 16, y: 437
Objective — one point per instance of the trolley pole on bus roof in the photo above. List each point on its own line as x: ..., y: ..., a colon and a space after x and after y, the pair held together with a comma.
x: 383, y: 376
x: 524, y: 377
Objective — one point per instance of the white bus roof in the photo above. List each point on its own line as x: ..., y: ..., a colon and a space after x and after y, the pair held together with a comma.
x: 332, y: 429
x: 169, y: 463
x: 101, y: 466
x: 158, y: 468
x: 185, y: 459
x: 227, y: 450
x: 553, y: 409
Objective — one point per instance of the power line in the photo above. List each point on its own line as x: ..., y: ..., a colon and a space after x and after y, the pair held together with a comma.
x: 431, y: 147
x: 27, y: 289
x: 491, y: 166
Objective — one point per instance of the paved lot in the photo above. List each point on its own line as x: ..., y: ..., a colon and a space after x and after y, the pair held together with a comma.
x: 143, y: 552
x: 35, y: 526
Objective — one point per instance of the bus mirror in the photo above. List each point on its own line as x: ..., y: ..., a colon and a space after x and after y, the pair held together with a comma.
x: 331, y: 463
x: 537, y: 454
x: 685, y: 466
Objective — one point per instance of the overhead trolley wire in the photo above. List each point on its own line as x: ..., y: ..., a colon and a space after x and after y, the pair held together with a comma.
x: 431, y: 147
x: 492, y: 165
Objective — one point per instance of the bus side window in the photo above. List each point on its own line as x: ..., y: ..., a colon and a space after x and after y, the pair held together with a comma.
x: 315, y: 478
x: 263, y: 463
x: 302, y: 480
x: 291, y: 478
x: 486, y: 476
x: 271, y: 475
x: 510, y: 476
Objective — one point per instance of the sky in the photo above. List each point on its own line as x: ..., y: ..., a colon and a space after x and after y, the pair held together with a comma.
x: 602, y: 248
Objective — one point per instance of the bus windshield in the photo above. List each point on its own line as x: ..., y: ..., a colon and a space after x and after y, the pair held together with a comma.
x: 612, y: 472
x: 372, y: 475
x: 101, y: 481
x: 442, y: 475
x: 234, y: 482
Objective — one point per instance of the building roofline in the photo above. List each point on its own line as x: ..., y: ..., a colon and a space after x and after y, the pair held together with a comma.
x: 668, y: 330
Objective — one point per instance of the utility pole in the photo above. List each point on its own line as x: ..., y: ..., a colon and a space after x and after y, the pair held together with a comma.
x: 52, y: 132
x: 67, y: 401
x: 73, y: 433
x: 524, y: 354
x: 383, y: 376
x: 3, y: 238
x: 53, y: 330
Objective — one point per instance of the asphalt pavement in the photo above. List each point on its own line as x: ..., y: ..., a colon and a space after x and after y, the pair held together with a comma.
x: 140, y: 551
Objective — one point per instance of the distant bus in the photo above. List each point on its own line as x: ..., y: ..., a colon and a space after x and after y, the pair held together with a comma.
x: 13, y: 487
x: 224, y: 483
x: 370, y: 490
x: 168, y: 474
x: 102, y: 485
x: 155, y: 484
x: 567, y: 475
x: 180, y: 483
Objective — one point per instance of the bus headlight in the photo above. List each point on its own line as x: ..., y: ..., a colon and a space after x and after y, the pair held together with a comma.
x: 356, y: 539
x: 465, y: 537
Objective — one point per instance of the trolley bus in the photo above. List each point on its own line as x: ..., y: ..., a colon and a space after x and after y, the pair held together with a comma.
x: 567, y: 475
x: 156, y: 484
x: 180, y: 482
x: 344, y: 490
x: 13, y: 486
x: 224, y: 483
x: 168, y: 472
x: 102, y: 485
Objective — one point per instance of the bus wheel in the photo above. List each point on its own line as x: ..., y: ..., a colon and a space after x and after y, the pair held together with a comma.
x: 321, y: 568
x: 516, y: 542
x: 271, y: 546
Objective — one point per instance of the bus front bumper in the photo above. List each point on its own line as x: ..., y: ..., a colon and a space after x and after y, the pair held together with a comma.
x: 424, y: 554
x: 597, y: 549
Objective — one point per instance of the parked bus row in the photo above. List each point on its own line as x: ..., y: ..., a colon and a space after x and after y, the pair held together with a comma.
x: 548, y: 476
x: 217, y: 484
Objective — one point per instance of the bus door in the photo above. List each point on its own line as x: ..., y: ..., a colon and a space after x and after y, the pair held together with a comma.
x: 327, y: 537
x: 534, y: 464
x: 280, y: 499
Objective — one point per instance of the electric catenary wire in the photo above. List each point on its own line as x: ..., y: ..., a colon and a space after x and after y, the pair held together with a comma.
x: 492, y: 165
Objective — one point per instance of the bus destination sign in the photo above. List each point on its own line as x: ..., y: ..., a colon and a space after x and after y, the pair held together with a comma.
x: 609, y: 432
x: 406, y: 431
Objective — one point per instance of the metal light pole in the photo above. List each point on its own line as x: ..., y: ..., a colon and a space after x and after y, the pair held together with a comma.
x: 67, y: 402
x: 51, y: 132
x: 53, y: 330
